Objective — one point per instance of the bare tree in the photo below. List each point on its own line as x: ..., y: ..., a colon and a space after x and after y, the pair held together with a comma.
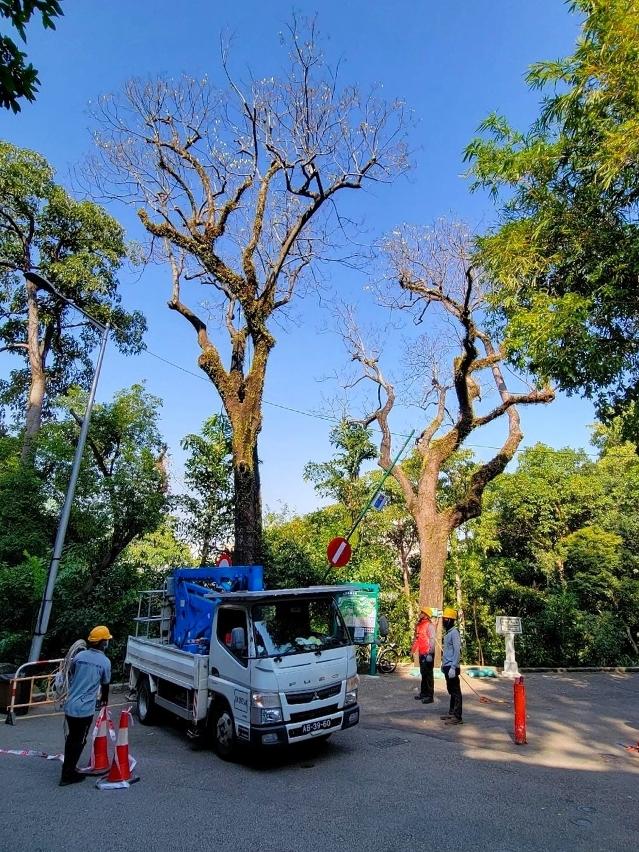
x: 430, y: 269
x: 239, y: 186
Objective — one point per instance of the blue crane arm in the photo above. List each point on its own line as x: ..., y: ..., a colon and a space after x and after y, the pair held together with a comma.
x: 195, y: 603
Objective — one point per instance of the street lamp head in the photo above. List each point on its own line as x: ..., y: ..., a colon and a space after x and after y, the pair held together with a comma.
x: 43, y: 283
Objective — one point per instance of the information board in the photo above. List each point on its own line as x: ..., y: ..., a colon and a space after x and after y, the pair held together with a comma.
x: 359, y: 610
x: 508, y: 624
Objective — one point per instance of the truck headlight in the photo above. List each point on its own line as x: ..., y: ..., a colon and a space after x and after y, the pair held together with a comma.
x: 351, y: 690
x: 266, y: 708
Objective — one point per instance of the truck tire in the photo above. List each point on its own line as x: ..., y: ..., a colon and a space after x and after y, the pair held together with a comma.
x: 223, y: 732
x: 145, y: 708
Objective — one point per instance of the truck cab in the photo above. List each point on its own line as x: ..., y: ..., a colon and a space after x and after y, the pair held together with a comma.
x: 269, y: 668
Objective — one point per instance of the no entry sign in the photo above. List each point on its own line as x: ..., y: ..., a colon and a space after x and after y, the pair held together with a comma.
x: 338, y: 552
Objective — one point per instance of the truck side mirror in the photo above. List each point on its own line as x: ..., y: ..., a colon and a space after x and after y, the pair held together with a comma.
x: 238, y: 639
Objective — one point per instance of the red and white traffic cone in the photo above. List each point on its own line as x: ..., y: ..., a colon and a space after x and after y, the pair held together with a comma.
x: 121, y: 772
x: 99, y: 764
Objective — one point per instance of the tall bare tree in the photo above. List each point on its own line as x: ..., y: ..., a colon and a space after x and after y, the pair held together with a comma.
x: 433, y: 268
x: 239, y: 185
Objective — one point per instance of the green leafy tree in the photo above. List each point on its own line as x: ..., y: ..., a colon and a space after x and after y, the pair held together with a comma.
x: 121, y: 499
x: 207, y: 512
x: 556, y: 545
x: 340, y: 478
x: 159, y: 550
x: 19, y: 79
x: 122, y: 487
x: 565, y: 253
x: 79, y: 248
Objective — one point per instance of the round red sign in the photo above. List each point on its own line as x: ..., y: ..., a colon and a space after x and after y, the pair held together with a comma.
x: 339, y: 552
x: 224, y: 560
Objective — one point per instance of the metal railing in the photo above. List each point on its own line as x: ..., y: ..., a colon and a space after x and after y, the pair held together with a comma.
x: 44, y: 694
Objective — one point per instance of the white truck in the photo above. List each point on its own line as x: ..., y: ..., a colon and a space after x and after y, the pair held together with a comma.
x: 245, y: 665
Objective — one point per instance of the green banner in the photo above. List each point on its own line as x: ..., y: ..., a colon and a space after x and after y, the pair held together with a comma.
x: 359, y: 610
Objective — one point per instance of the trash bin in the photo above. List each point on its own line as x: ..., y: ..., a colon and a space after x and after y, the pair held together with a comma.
x: 5, y: 691
x: 23, y: 692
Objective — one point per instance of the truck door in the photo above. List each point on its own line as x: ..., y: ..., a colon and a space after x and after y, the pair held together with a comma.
x: 229, y: 670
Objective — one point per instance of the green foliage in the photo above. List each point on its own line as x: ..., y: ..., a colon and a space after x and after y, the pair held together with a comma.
x: 566, y: 252
x: 26, y: 524
x: 557, y: 546
x: 159, y: 550
x: 121, y: 491
x: 207, y: 512
x: 21, y: 588
x: 120, y: 499
x: 79, y: 248
x: 339, y: 478
x: 19, y: 79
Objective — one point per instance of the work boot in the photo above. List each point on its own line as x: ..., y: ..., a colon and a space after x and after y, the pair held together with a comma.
x: 71, y: 779
x: 419, y: 697
x: 454, y: 721
x: 427, y: 700
x: 446, y: 717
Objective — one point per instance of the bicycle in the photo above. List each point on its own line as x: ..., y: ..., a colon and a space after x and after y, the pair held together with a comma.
x: 387, y: 657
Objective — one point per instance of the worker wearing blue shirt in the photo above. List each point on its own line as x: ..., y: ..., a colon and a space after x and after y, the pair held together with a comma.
x: 89, y: 673
x: 451, y: 660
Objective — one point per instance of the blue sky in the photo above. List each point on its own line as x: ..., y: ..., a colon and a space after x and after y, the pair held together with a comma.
x: 452, y: 62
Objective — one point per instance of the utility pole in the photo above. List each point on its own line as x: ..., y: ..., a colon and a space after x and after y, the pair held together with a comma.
x: 44, y: 614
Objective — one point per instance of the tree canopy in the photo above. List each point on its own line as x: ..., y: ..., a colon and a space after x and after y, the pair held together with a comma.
x: 18, y: 78
x: 79, y: 248
x: 565, y: 254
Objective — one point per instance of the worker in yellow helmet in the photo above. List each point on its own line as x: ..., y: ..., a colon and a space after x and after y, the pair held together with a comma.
x: 424, y: 645
x: 451, y: 661
x: 89, y: 675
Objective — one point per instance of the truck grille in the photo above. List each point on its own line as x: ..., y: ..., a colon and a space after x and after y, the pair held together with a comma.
x: 313, y: 694
x: 317, y: 713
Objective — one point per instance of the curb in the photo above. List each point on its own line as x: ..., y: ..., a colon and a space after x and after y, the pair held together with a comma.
x: 585, y: 669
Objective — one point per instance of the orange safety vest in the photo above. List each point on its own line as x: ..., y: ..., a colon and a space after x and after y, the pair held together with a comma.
x: 424, y: 637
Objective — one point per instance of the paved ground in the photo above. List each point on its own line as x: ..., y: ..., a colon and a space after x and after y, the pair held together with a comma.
x: 399, y: 781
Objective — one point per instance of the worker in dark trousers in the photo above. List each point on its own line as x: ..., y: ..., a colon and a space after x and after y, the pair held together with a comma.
x: 89, y: 676
x: 451, y: 661
x: 424, y: 645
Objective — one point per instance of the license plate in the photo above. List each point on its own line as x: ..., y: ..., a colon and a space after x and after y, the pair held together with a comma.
x: 321, y: 725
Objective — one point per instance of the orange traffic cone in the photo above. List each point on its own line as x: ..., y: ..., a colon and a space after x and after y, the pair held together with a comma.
x: 120, y: 774
x: 99, y: 763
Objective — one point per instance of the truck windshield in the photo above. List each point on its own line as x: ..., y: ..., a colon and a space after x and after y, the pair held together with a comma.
x: 297, y: 627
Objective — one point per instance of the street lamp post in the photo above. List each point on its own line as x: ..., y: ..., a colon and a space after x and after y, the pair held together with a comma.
x: 42, y: 623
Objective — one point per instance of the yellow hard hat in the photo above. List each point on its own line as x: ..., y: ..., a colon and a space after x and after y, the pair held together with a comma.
x: 449, y: 612
x: 99, y: 633
x: 427, y: 610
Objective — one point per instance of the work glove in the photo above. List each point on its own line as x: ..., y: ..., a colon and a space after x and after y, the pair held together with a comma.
x: 452, y: 673
x: 429, y: 658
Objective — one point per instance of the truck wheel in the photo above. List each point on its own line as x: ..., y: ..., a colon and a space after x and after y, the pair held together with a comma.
x: 224, y: 741
x: 146, y: 709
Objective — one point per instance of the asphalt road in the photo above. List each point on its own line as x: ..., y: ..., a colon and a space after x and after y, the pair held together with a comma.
x: 398, y: 781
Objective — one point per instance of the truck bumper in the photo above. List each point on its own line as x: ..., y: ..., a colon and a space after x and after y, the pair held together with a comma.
x: 297, y: 732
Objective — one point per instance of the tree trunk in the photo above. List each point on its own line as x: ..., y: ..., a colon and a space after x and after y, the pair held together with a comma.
x: 403, y: 555
x: 461, y: 623
x: 205, y: 544
x: 37, y: 384
x: 248, y: 509
x: 433, y: 530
